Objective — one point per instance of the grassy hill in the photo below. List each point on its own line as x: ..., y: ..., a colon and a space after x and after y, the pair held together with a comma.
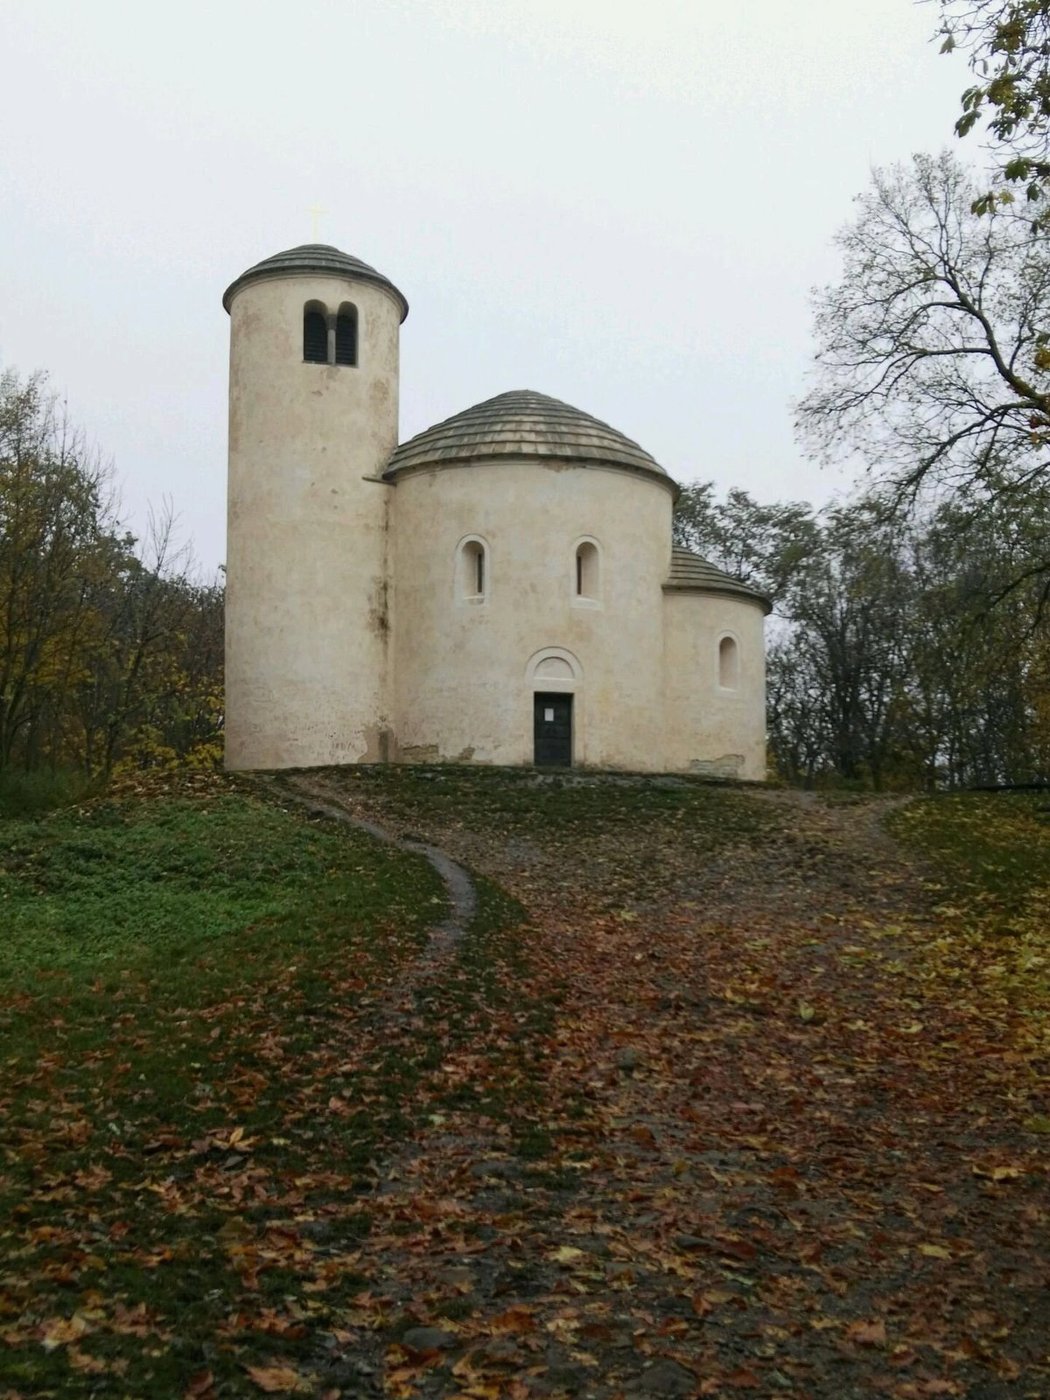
x: 259, y: 1137
x: 191, y: 1032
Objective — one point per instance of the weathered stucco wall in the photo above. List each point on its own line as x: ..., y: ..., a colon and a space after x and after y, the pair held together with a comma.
x: 464, y: 690
x: 712, y: 728
x: 307, y: 618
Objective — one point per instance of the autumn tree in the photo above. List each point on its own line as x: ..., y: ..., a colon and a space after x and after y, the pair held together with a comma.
x: 107, y: 649
x: 847, y: 643
x: 979, y: 637
x: 934, y: 344
x: 909, y: 660
x: 152, y: 688
x: 763, y: 545
x: 1008, y: 46
x: 57, y: 538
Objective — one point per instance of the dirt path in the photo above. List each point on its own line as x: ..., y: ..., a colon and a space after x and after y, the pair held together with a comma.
x: 774, y: 1158
x: 323, y: 798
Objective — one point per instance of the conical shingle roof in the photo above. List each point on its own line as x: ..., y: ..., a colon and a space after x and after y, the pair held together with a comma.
x: 313, y: 258
x: 693, y: 573
x: 523, y: 423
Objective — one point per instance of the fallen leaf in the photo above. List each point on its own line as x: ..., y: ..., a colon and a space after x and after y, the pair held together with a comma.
x: 82, y: 1361
x: 514, y: 1320
x: 235, y: 1230
x: 565, y: 1254
x: 867, y: 1334
x: 275, y: 1380
x: 1002, y: 1173
x: 743, y: 1379
x: 59, y: 1331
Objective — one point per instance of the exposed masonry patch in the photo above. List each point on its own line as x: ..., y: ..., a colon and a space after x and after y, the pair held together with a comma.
x: 321, y: 799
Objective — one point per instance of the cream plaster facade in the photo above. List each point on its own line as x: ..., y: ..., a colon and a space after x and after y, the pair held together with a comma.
x: 410, y: 603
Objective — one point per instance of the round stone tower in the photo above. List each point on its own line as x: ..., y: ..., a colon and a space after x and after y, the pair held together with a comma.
x: 313, y: 422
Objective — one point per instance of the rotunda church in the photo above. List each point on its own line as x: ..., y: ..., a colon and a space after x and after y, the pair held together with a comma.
x: 500, y: 589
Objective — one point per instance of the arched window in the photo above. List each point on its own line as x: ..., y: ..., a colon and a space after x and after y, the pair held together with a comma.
x: 315, y: 334
x: 728, y: 664
x: 587, y: 576
x: 346, y: 335
x: 472, y: 581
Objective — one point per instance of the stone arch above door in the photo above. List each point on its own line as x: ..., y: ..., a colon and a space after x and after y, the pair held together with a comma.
x: 554, y: 668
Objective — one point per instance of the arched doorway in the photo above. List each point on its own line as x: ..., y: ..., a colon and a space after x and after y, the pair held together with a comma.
x: 553, y: 675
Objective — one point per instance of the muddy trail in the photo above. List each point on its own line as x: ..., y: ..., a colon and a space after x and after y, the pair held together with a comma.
x: 772, y: 1155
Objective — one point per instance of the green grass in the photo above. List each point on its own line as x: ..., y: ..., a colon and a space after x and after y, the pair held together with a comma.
x: 990, y: 851
x: 30, y: 794
x: 641, y: 838
x: 520, y: 801
x: 987, y: 940
x: 197, y: 1069
x: 188, y: 983
x: 122, y: 886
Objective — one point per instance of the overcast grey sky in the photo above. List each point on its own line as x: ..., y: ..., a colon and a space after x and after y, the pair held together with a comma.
x: 622, y: 204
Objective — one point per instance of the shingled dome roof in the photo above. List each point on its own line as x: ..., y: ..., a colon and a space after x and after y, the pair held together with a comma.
x: 691, y: 573
x: 523, y: 424
x: 313, y: 258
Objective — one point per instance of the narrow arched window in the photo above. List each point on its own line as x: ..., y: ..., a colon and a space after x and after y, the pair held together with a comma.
x: 587, y: 570
x: 315, y: 334
x: 727, y: 663
x: 472, y: 582
x: 346, y: 335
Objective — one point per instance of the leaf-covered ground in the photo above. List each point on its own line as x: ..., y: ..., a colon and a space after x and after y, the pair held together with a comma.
x: 721, y: 1093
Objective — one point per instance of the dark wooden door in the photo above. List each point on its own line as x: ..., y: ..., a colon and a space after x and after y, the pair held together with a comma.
x: 552, y: 728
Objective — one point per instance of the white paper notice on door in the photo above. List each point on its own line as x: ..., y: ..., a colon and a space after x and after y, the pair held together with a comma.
x: 548, y: 714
